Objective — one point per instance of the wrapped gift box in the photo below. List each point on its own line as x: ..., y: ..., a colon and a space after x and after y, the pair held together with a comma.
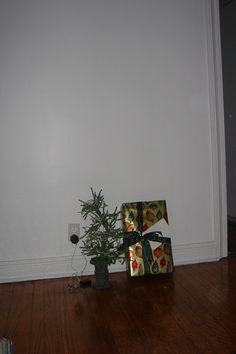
x: 142, y: 215
x: 148, y: 252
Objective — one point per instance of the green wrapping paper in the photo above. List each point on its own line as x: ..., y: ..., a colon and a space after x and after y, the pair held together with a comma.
x: 149, y: 252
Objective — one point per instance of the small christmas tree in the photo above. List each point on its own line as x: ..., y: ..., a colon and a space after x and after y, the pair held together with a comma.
x: 102, y: 238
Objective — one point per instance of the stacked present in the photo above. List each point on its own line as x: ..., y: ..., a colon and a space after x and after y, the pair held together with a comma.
x: 6, y: 346
x: 149, y: 252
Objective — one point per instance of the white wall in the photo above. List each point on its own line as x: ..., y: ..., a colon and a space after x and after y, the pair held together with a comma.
x: 108, y: 94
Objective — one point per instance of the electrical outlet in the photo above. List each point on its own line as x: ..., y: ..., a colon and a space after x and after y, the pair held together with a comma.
x: 73, y: 229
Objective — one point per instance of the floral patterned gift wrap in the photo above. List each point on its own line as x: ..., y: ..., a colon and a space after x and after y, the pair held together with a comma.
x: 149, y: 252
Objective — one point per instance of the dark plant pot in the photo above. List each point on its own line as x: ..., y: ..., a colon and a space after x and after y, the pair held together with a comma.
x: 101, y: 272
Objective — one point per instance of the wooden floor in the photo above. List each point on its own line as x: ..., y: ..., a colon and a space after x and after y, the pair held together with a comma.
x: 194, y: 311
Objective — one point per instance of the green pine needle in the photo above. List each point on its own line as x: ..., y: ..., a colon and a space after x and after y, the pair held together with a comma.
x: 102, y: 237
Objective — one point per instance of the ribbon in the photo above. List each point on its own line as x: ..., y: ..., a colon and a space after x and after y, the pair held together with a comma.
x: 133, y: 237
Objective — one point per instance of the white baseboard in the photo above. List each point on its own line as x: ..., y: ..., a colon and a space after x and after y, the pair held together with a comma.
x: 195, y: 253
x: 57, y: 267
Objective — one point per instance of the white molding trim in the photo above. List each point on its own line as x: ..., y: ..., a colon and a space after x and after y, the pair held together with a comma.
x: 217, y: 126
x: 59, y: 267
x: 195, y: 253
x: 39, y: 268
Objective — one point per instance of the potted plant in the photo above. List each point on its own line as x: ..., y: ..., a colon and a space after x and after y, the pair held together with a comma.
x: 102, y: 239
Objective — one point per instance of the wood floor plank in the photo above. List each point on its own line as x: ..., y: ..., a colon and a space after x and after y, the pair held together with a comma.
x: 55, y: 316
x: 190, y: 312
x: 18, y: 325
x: 217, y: 299
x: 80, y: 325
x: 203, y: 306
x: 38, y: 332
x: 5, y: 305
x: 148, y: 306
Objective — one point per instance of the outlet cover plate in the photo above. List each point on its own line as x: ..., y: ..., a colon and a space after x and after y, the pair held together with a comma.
x: 73, y: 229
